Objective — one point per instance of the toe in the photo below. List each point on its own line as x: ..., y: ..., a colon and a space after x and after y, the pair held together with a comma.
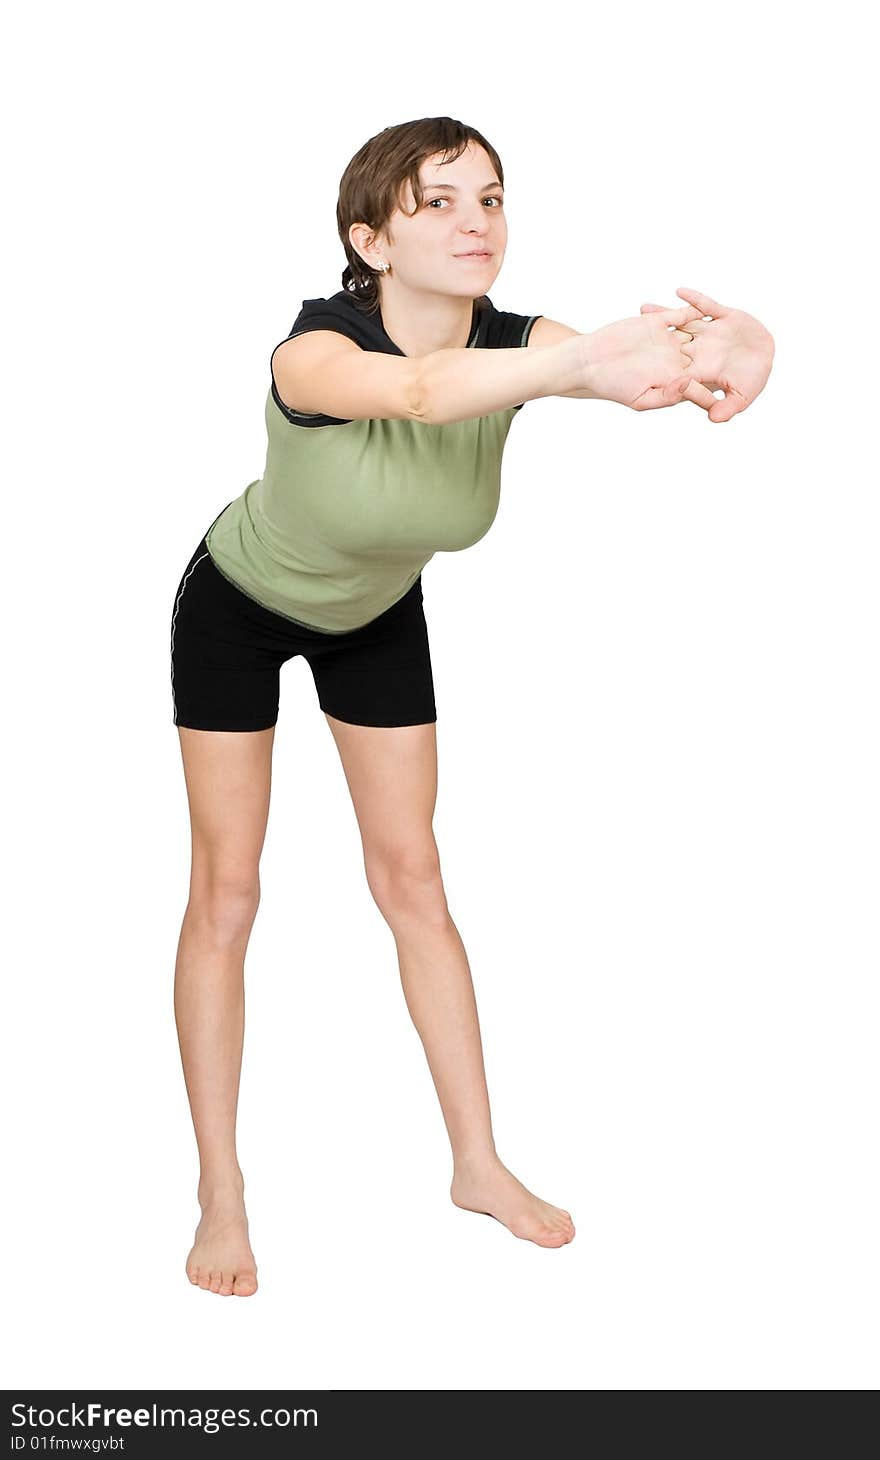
x: 204, y: 1280
x: 553, y: 1236
x: 216, y: 1279
x: 193, y: 1275
x: 226, y: 1282
x: 245, y: 1285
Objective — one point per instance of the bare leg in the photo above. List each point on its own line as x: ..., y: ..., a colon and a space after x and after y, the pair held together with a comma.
x: 392, y: 777
x: 228, y: 777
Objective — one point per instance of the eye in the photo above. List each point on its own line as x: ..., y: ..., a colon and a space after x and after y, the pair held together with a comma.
x: 493, y: 199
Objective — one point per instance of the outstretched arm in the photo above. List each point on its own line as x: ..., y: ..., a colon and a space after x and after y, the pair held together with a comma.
x: 730, y: 351
x: 643, y: 363
x: 640, y: 369
x: 640, y: 362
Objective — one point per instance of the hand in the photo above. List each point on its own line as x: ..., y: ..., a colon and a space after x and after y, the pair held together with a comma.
x: 645, y: 362
x: 732, y: 352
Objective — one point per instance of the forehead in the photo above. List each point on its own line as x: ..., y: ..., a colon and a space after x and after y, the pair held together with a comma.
x: 434, y: 169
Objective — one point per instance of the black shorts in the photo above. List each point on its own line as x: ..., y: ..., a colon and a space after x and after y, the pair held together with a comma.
x: 227, y: 651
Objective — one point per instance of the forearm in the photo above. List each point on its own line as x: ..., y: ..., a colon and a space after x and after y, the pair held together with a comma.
x: 457, y: 385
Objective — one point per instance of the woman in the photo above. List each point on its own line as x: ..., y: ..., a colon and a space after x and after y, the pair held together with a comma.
x: 386, y: 419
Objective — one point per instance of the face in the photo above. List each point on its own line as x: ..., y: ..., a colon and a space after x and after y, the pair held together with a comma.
x: 462, y: 210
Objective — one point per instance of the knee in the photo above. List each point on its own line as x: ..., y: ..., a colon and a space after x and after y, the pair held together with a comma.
x: 224, y: 905
x: 406, y: 883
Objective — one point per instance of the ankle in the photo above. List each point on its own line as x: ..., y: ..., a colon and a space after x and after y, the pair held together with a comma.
x: 476, y: 1162
x: 221, y: 1189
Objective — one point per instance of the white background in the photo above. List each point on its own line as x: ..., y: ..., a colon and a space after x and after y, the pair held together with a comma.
x: 657, y: 702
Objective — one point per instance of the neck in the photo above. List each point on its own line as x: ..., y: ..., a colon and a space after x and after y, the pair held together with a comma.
x: 420, y: 323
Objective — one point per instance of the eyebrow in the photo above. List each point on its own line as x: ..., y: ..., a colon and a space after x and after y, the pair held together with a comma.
x: 448, y: 187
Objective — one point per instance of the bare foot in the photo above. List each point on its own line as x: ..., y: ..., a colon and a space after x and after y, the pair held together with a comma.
x: 490, y: 1188
x: 221, y: 1260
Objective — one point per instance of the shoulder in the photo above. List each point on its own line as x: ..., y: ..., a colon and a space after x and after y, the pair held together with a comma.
x: 550, y: 332
x: 343, y: 316
x: 501, y: 329
x: 505, y: 330
x: 340, y: 313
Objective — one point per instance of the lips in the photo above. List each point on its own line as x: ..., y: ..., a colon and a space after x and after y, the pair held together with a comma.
x: 482, y: 253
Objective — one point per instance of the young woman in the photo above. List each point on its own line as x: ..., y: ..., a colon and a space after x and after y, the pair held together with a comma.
x: 389, y: 406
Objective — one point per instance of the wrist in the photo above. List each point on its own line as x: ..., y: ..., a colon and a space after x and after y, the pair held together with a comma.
x: 578, y: 373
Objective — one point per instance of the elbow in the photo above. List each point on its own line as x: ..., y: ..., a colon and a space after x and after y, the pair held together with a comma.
x: 416, y: 392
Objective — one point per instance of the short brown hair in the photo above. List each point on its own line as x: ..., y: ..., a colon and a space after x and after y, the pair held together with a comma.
x: 371, y: 188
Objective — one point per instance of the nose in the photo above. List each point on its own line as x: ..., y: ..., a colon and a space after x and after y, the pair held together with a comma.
x: 474, y: 236
x: 478, y: 224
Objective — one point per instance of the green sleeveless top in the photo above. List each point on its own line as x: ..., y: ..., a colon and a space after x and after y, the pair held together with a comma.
x: 347, y: 513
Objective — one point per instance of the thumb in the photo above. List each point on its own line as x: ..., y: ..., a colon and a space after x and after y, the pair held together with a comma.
x: 726, y: 408
x: 674, y: 390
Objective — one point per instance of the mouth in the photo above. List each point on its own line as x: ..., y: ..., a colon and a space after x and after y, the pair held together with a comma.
x: 481, y: 254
